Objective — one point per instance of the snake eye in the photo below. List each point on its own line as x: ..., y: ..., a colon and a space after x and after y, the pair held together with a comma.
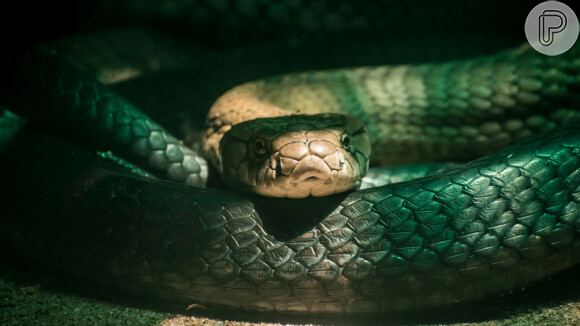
x: 260, y: 147
x: 345, y: 141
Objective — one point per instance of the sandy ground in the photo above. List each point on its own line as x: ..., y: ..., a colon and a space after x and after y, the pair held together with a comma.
x: 30, y: 295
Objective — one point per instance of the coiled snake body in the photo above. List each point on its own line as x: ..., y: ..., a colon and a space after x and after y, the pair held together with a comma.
x: 498, y: 222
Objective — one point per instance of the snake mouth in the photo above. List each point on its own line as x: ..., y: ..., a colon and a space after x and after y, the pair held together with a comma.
x: 310, y: 169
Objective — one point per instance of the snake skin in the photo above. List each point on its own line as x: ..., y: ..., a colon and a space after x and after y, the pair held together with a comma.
x: 497, y: 223
x: 492, y: 225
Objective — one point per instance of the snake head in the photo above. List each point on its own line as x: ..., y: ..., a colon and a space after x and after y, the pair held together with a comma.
x: 295, y: 156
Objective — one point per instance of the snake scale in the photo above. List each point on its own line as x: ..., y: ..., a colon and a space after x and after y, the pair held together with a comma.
x: 498, y: 222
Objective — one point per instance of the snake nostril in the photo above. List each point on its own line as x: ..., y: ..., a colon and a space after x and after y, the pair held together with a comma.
x: 341, y: 159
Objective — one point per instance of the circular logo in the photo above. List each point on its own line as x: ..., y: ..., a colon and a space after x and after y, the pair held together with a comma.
x: 552, y: 28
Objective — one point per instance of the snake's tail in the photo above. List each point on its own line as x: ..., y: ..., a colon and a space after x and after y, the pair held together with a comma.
x: 104, y: 119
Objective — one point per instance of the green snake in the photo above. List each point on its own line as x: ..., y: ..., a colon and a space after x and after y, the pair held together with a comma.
x: 493, y: 224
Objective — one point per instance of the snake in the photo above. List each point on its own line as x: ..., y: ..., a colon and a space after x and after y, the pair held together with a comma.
x: 497, y: 222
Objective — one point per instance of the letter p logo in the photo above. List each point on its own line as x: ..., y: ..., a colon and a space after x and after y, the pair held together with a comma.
x: 552, y: 27
x: 550, y: 23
